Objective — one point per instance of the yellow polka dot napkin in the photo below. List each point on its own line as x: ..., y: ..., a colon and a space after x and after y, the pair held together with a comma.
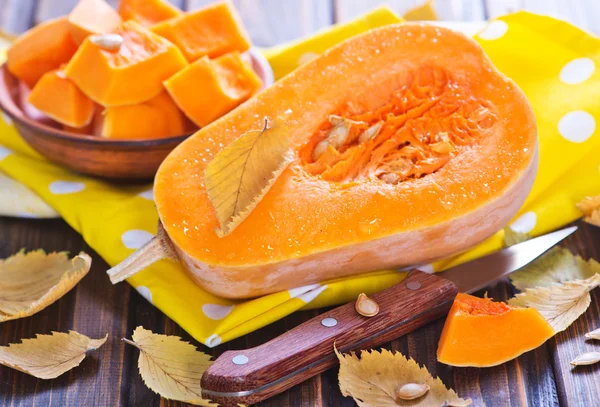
x: 556, y: 64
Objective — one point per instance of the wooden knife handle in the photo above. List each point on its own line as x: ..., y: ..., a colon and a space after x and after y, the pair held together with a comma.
x: 251, y: 375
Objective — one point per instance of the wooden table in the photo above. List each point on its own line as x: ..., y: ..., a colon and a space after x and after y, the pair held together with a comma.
x: 109, y: 377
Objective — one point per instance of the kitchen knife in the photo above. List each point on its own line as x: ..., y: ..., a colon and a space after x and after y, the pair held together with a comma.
x: 251, y: 375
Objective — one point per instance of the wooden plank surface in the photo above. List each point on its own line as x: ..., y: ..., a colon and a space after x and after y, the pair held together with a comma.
x: 109, y: 376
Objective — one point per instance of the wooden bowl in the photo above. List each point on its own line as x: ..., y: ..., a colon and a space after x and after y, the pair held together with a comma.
x: 125, y: 160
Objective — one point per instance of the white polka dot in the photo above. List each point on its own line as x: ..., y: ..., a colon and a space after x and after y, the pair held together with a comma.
x: 577, y: 126
x: 577, y: 71
x: 145, y: 292
x: 135, y: 238
x: 494, y: 30
x: 426, y: 268
x: 4, y: 152
x: 149, y: 194
x: 6, y: 118
x: 66, y: 187
x: 524, y: 223
x: 296, y: 292
x: 307, y: 57
x: 27, y: 215
x: 312, y: 294
x: 213, y: 340
x: 217, y: 312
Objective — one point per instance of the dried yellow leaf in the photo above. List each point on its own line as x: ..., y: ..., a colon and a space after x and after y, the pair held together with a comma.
x: 30, y: 282
x: 49, y: 356
x: 171, y: 367
x: 559, y: 304
x: 590, y: 207
x: 512, y: 238
x: 374, y: 379
x: 240, y: 175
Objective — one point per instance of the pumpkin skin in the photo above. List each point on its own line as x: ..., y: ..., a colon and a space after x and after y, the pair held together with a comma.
x: 131, y: 75
x: 43, y: 48
x: 57, y: 97
x: 309, y: 229
x: 92, y: 17
x: 213, y: 30
x: 147, y: 12
x: 481, y: 333
x: 225, y: 82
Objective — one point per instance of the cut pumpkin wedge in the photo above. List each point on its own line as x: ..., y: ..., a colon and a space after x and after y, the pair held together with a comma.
x: 480, y: 332
x: 130, y: 75
x: 92, y: 17
x: 213, y: 30
x: 147, y: 12
x: 41, y: 49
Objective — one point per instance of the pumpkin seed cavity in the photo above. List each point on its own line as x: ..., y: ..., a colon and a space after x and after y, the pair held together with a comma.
x: 426, y: 123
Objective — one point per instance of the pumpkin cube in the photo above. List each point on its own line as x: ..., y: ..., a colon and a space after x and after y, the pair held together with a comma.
x: 58, y: 98
x: 207, y: 89
x: 213, y: 30
x: 157, y: 118
x: 41, y: 49
x: 147, y: 12
x: 92, y: 17
x: 129, y: 75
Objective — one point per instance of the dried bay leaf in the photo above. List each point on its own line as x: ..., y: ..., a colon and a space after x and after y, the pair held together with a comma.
x: 241, y: 174
x: 590, y: 207
x: 171, y: 367
x: 30, y: 282
x: 49, y: 356
x: 374, y: 379
x: 559, y: 304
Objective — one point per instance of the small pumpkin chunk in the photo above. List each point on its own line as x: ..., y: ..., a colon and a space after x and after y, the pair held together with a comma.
x: 129, y: 75
x: 480, y: 332
x: 60, y: 99
x: 207, y: 89
x: 92, y: 17
x: 157, y: 118
x: 213, y: 30
x: 43, y: 48
x: 147, y: 12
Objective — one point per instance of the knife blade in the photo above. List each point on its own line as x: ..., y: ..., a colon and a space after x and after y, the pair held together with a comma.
x: 255, y: 374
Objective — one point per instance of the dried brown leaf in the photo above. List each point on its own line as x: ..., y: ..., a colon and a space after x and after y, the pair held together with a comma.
x: 559, y: 304
x: 590, y: 207
x: 171, y: 367
x: 49, y: 356
x: 374, y: 379
x: 30, y: 282
x: 241, y: 174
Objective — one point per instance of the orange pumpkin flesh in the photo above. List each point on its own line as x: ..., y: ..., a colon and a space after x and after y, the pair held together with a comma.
x: 309, y: 229
x: 59, y: 98
x: 479, y: 332
x: 224, y: 83
x: 213, y: 30
x: 147, y: 12
x: 92, y: 17
x: 131, y: 75
x: 157, y: 118
x: 41, y: 49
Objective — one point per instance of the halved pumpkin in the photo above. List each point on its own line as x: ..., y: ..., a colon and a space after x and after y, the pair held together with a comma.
x: 480, y: 332
x: 147, y: 12
x: 43, y: 48
x: 157, y: 118
x: 92, y: 17
x: 59, y: 98
x: 224, y: 82
x: 452, y: 161
x: 132, y: 74
x: 213, y: 30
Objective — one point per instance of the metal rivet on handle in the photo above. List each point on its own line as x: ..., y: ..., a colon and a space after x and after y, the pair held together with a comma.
x: 329, y: 322
x: 240, y: 359
x: 413, y: 285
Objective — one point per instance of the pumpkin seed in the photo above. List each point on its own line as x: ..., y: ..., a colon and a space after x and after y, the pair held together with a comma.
x: 588, y: 358
x: 370, y: 133
x: 108, y: 42
x: 365, y: 306
x: 390, y: 178
x: 411, y: 391
x: 595, y: 334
